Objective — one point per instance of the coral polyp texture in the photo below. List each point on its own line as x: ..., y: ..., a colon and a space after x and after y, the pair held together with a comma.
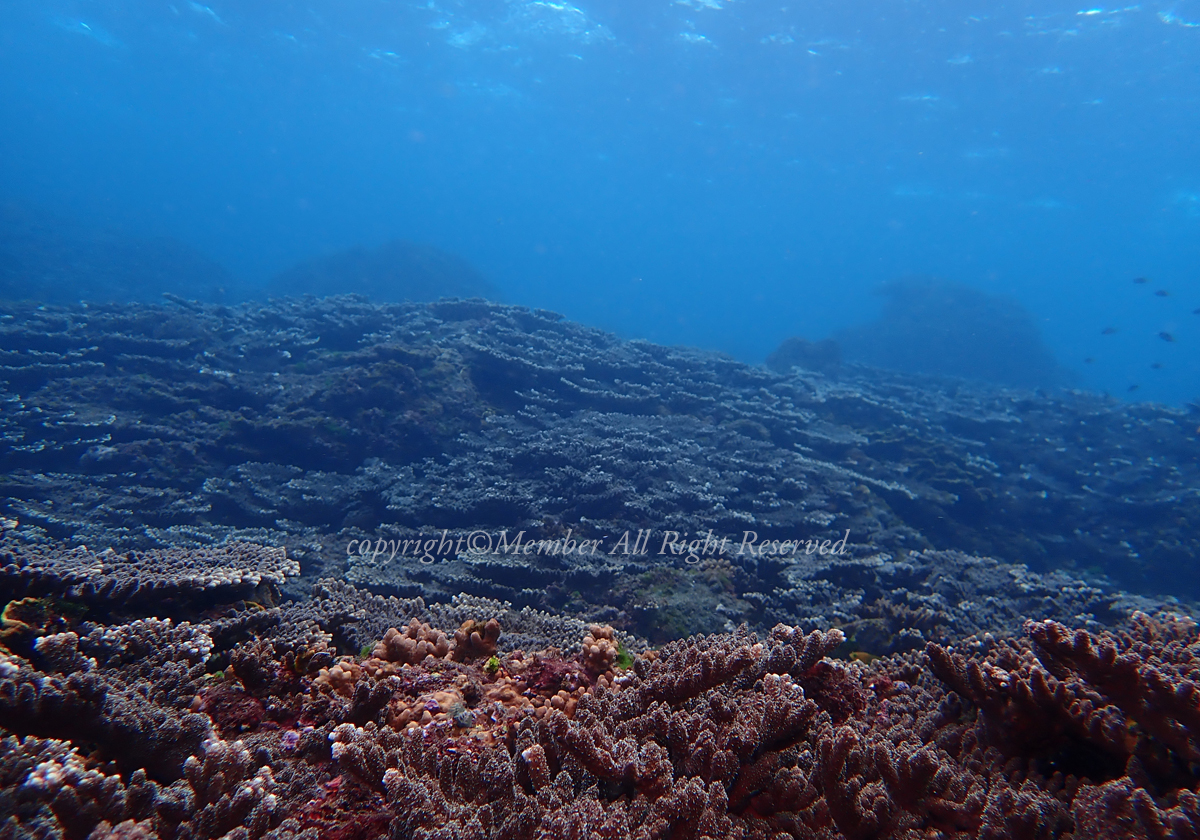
x: 255, y: 720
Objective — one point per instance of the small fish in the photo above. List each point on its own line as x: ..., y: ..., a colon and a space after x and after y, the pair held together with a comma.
x: 1162, y: 293
x: 1196, y: 311
x: 1140, y: 280
x: 1088, y: 360
x: 1157, y: 365
x: 863, y: 657
x: 1133, y: 388
x: 1108, y: 331
x: 1166, y: 336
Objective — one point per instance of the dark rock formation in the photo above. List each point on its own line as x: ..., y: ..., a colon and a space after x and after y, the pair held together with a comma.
x: 951, y: 329
x: 51, y: 260
x: 824, y: 356
x: 393, y: 272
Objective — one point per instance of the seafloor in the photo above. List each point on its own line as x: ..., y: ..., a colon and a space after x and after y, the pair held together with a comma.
x: 196, y: 643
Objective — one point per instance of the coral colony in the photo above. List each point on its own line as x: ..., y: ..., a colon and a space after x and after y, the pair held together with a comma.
x: 841, y: 605
x: 251, y: 721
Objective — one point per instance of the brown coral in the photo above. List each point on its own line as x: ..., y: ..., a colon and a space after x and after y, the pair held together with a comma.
x: 1103, y: 698
x: 475, y: 640
x: 341, y: 677
x: 412, y: 644
x: 600, y: 649
x: 1063, y: 734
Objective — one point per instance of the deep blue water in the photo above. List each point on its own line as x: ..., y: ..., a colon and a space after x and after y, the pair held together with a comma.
x: 721, y: 173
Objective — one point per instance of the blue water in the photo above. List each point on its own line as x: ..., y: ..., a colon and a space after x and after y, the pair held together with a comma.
x: 721, y: 173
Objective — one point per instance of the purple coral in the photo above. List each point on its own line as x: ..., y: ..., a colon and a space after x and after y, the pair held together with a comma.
x: 115, y: 731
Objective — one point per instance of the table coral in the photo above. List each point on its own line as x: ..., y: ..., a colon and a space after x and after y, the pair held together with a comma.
x: 202, y: 576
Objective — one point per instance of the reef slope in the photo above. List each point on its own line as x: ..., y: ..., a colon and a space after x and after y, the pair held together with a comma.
x: 308, y: 423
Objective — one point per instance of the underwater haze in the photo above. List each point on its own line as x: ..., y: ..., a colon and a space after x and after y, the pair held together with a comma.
x: 623, y: 419
x: 726, y: 174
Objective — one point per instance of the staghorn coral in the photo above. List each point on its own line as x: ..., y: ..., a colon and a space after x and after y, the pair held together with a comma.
x: 728, y: 736
x: 48, y: 783
x: 127, y: 830
x: 228, y: 793
x: 1149, y: 672
x: 1121, y: 810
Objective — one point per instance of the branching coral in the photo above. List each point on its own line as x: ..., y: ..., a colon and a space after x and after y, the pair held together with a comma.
x: 119, y: 732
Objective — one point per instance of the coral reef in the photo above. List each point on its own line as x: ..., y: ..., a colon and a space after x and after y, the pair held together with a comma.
x: 361, y: 619
x: 1127, y: 702
x: 254, y: 723
x: 194, y: 642
x: 124, y: 688
x: 217, y: 574
x: 316, y: 425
